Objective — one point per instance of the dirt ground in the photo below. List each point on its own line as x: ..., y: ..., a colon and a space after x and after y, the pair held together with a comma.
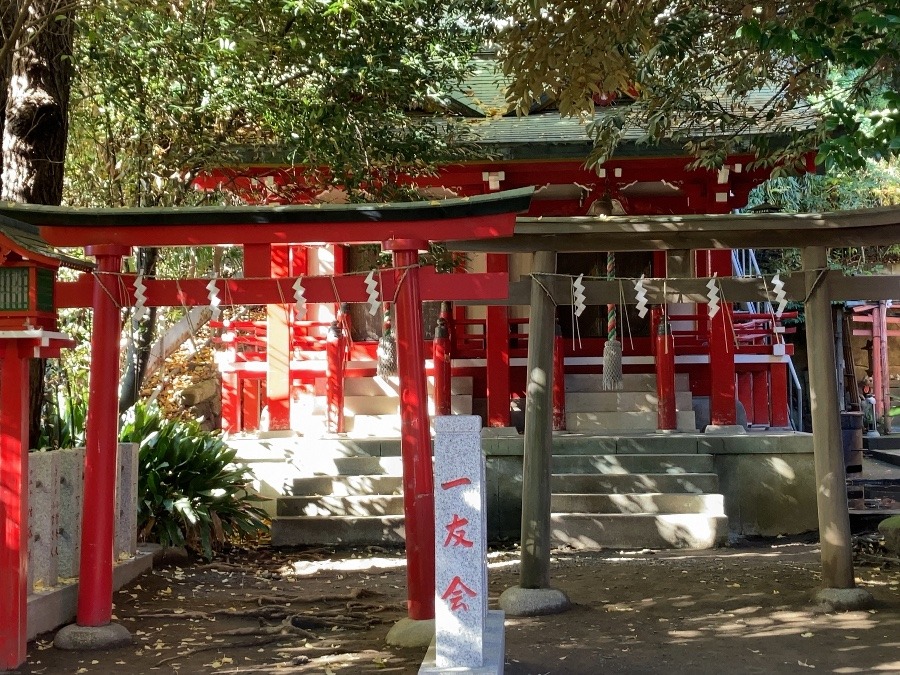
x: 744, y: 609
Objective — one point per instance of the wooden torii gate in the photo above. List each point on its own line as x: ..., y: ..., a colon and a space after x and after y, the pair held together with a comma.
x: 816, y: 286
x: 108, y: 235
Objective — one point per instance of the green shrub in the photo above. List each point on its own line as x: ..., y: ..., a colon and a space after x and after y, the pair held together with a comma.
x: 190, y: 492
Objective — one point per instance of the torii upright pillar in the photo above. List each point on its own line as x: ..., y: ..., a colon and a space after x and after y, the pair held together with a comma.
x: 831, y: 488
x: 534, y: 595
x: 94, y: 629
x: 415, y: 435
x: 13, y: 504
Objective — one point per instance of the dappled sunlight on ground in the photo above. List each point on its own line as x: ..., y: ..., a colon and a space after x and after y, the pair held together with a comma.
x: 308, y: 611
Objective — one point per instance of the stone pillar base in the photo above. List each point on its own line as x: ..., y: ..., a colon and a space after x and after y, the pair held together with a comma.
x: 844, y: 599
x: 411, y: 633
x: 517, y: 601
x: 494, y: 651
x: 91, y: 638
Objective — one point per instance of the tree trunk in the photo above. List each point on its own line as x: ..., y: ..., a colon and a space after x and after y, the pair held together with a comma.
x: 8, y: 14
x: 138, y: 351
x: 34, y: 137
x: 35, y: 90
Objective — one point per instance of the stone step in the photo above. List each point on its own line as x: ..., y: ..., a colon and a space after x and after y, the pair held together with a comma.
x: 390, y: 386
x: 337, y: 530
x: 343, y: 486
x: 368, y: 466
x: 351, y: 505
x: 460, y: 404
x: 653, y: 502
x: 622, y: 530
x: 627, y: 444
x: 625, y: 483
x: 624, y: 401
x: 638, y: 463
x: 624, y: 422
x: 580, y: 382
x: 373, y: 425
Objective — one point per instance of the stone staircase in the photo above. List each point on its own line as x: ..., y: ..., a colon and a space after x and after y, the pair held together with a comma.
x: 371, y: 405
x: 645, y: 500
x: 642, y: 497
x: 360, y: 502
x: 633, y: 409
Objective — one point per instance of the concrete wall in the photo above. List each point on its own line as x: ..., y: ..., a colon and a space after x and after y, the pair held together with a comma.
x: 769, y: 484
x: 768, y: 481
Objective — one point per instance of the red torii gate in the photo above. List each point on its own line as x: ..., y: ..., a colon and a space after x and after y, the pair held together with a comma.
x: 27, y: 330
x: 404, y: 229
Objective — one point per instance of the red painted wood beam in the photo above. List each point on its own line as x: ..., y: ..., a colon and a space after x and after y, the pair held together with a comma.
x: 266, y: 291
x: 723, y: 389
x: 335, y: 349
x: 666, y: 415
x: 360, y: 232
x: 13, y: 504
x: 415, y: 435
x: 100, y: 467
x: 278, y: 352
x: 761, y: 397
x: 497, y: 351
x: 778, y: 383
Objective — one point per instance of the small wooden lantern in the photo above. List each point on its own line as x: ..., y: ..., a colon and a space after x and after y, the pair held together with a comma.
x: 28, y: 267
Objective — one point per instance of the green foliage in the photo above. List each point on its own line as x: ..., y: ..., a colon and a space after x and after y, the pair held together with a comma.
x: 168, y: 90
x: 877, y: 184
x: 357, y: 101
x: 718, y: 77
x: 64, y: 406
x: 190, y: 492
x: 63, y: 419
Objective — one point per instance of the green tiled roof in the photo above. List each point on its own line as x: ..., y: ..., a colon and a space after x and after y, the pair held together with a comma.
x: 482, y: 98
x: 484, y: 90
x: 26, y: 237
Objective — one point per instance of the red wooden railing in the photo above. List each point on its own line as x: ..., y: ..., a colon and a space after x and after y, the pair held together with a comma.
x: 759, y: 348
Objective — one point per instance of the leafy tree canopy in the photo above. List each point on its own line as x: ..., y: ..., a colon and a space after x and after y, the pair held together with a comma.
x: 169, y: 88
x: 713, y: 74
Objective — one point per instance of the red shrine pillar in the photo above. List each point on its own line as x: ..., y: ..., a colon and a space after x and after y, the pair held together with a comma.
x: 497, y: 352
x: 722, y: 395
x: 262, y: 261
x: 100, y: 467
x: 13, y: 504
x: 415, y: 435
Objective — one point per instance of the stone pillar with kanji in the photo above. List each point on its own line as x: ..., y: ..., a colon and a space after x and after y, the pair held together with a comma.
x: 468, y: 638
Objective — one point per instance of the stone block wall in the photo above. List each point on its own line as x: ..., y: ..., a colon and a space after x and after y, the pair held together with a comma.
x: 56, y: 480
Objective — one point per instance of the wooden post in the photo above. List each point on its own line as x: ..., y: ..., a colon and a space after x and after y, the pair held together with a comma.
x: 831, y: 492
x: 881, y: 383
x: 722, y: 395
x: 231, y: 403
x: 278, y: 345
x: 252, y: 400
x: 442, y: 370
x: 666, y: 415
x: 761, y: 397
x: 100, y: 466
x: 497, y: 352
x: 559, y: 380
x: 415, y: 435
x: 13, y: 505
x: 745, y: 394
x: 535, y: 552
x: 334, y: 382
x: 778, y: 383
